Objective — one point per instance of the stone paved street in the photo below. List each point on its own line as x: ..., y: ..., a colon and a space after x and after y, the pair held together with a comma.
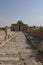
x: 18, y: 52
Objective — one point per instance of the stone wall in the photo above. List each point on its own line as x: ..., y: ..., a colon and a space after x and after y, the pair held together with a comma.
x: 14, y: 27
x: 5, y: 33
x: 19, y: 27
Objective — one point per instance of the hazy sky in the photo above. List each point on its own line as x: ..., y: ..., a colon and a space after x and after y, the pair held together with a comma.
x: 29, y: 11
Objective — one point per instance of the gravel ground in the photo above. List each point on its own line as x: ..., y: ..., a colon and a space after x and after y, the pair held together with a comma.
x: 18, y: 52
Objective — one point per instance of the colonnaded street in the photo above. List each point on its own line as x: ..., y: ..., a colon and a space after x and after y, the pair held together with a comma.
x: 18, y: 51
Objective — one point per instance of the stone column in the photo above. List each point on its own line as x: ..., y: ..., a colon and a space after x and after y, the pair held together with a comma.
x: 5, y: 33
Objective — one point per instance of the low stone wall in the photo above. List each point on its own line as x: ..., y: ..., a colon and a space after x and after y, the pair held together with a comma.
x: 2, y: 43
x: 5, y: 33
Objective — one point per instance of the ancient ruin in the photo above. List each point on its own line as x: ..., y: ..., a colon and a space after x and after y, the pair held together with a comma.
x: 20, y: 26
x: 20, y: 44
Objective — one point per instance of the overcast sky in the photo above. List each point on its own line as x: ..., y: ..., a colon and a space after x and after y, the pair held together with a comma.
x: 29, y: 11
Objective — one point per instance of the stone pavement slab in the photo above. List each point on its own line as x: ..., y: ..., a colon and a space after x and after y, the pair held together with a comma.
x: 17, y: 49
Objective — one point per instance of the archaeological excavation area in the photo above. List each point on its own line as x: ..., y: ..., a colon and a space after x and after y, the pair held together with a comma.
x: 21, y: 44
